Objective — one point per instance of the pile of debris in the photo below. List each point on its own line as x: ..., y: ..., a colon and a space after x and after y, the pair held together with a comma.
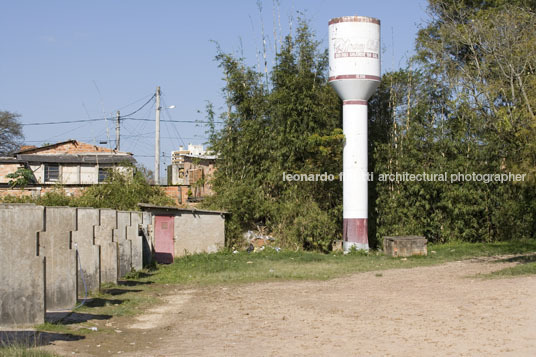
x: 258, y: 240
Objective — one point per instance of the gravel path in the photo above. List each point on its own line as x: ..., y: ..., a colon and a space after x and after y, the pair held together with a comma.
x: 428, y: 311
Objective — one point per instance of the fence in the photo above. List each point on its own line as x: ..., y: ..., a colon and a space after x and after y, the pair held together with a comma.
x: 50, y: 256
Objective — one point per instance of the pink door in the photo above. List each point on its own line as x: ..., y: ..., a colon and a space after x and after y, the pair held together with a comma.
x: 163, y: 239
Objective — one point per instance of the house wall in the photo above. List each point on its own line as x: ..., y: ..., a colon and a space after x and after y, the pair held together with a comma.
x: 179, y: 194
x: 72, y: 174
x: 89, y: 174
x: 6, y: 169
x: 198, y: 233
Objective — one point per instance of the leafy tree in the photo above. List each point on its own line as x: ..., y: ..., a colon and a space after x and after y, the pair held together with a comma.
x: 467, y: 108
x: 10, y: 132
x: 288, y: 123
x: 123, y: 192
x: 21, y: 178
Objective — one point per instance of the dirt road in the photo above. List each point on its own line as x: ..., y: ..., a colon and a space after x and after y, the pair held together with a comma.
x: 429, y: 311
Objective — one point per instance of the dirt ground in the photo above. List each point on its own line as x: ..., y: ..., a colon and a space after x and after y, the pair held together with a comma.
x: 429, y: 311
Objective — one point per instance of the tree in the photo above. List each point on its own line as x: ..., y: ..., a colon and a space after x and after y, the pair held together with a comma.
x: 467, y: 107
x: 10, y: 132
x: 286, y: 122
x: 21, y: 178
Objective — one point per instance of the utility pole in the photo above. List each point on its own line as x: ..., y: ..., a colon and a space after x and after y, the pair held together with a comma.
x: 117, y: 130
x: 157, y: 140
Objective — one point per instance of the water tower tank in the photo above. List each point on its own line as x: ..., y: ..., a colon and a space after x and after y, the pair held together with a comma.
x: 354, y: 73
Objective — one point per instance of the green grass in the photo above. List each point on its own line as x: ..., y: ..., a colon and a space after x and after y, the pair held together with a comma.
x: 113, y: 300
x: 119, y: 300
x: 269, y: 265
x: 22, y: 351
x: 54, y: 327
x: 526, y: 266
x: 523, y: 269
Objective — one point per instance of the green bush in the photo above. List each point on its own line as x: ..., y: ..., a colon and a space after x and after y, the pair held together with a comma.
x: 120, y: 191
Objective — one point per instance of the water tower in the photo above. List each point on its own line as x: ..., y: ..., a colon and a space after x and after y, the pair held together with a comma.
x: 354, y: 72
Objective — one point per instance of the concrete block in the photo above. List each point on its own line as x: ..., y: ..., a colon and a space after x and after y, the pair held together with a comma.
x: 55, y: 243
x: 404, y: 246
x: 22, y: 270
x: 133, y: 234
x: 123, y: 221
x: 337, y: 246
x: 103, y: 234
x: 147, y: 218
x: 124, y: 264
x: 89, y: 253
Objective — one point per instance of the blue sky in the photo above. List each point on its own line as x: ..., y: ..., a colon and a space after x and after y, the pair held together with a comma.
x: 74, y: 60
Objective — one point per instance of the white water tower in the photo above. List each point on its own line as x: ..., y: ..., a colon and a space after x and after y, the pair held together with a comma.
x: 354, y: 72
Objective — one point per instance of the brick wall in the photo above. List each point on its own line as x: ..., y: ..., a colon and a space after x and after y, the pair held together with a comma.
x: 70, y: 148
x: 179, y: 194
x: 6, y: 169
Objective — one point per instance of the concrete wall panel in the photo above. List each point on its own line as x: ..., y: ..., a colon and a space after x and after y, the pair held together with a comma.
x: 89, y: 253
x: 56, y: 245
x: 124, y: 264
x: 22, y: 272
x: 133, y: 234
x: 108, y: 249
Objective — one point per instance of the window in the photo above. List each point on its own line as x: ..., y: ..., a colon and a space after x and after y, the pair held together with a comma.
x: 52, y: 172
x: 103, y: 174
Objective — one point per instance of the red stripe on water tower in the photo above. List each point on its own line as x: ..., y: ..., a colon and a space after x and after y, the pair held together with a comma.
x: 355, y: 230
x: 354, y: 19
x: 354, y: 102
x: 354, y: 76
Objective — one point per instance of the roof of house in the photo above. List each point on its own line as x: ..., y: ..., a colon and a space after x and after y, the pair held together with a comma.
x: 71, y: 152
x: 69, y: 147
x: 78, y: 159
x: 8, y: 160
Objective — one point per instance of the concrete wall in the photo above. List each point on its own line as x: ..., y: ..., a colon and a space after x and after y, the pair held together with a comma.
x: 105, y: 239
x: 38, y: 259
x: 133, y: 234
x: 55, y: 243
x: 198, y: 232
x: 148, y: 237
x: 124, y: 245
x: 22, y: 270
x: 89, y: 254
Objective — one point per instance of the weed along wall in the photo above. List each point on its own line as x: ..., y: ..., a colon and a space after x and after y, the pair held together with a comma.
x: 179, y: 231
x: 51, y: 256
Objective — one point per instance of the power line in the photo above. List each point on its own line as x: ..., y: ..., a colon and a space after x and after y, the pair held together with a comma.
x: 64, y: 122
x: 140, y: 108
x: 176, y: 121
x: 122, y: 118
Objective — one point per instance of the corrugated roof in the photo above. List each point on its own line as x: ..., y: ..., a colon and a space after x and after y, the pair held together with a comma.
x: 9, y: 160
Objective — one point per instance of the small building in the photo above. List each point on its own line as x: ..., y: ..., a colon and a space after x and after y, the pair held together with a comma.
x: 192, y: 168
x: 70, y: 163
x: 179, y: 231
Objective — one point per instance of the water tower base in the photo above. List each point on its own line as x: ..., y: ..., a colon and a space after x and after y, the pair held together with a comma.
x: 355, y: 233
